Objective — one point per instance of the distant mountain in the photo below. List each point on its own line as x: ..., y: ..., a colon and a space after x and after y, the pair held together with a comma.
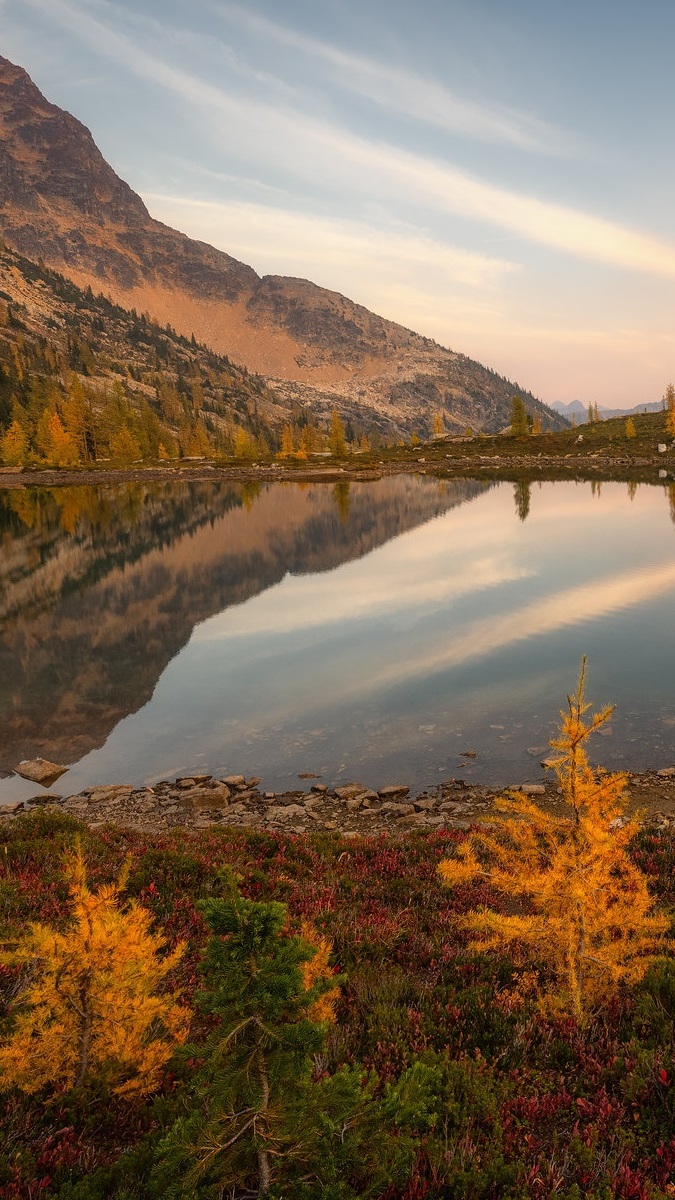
x: 575, y: 409
x: 62, y: 204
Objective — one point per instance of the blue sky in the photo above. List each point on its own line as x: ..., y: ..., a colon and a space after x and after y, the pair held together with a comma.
x: 498, y: 175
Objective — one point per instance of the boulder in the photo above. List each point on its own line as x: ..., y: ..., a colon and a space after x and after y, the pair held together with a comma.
x: 109, y: 791
x: 40, y: 770
x: 10, y: 807
x: 397, y: 810
x: 285, y: 812
x: 348, y: 790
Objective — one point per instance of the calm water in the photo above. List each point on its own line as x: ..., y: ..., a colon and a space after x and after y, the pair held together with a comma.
x: 366, y: 631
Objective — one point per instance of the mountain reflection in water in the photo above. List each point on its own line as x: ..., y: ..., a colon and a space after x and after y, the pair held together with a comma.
x: 365, y: 630
x: 101, y: 587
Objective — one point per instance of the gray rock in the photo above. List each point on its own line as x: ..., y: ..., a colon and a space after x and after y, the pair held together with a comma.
x: 396, y: 809
x: 234, y: 781
x: 110, y: 791
x: 349, y: 790
x: 45, y: 798
x: 533, y: 789
x: 393, y: 789
x: 427, y: 805
x: 10, y: 807
x: 219, y: 794
x: 285, y: 812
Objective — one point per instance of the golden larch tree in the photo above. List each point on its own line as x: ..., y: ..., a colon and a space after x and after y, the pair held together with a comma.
x: 586, y: 913
x: 318, y: 970
x: 337, y: 442
x: 14, y: 445
x: 287, y: 442
x: 669, y: 405
x: 90, y: 1008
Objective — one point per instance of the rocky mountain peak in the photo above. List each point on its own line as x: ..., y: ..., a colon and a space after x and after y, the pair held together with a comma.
x: 48, y: 156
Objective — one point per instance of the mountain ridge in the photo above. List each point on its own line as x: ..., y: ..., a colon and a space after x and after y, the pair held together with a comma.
x: 62, y: 203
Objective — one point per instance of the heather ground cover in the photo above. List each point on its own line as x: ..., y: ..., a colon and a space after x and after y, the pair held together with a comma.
x: 467, y: 1090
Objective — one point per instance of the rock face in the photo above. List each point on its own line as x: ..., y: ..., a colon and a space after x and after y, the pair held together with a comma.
x: 62, y: 203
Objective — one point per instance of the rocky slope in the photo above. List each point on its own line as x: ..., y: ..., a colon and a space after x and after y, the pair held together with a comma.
x: 62, y: 203
x: 51, y: 331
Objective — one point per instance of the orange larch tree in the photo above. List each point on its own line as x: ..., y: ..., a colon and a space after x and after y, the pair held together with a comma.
x: 90, y: 1009
x: 586, y: 914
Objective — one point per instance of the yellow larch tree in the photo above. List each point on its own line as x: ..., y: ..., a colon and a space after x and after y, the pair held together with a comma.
x: 669, y: 404
x: 337, y: 442
x: 586, y: 913
x: 287, y: 442
x: 14, y: 446
x: 315, y: 970
x: 90, y: 1009
x: 57, y: 445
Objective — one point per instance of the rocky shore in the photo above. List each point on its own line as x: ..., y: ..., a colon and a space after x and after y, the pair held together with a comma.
x: 201, y: 802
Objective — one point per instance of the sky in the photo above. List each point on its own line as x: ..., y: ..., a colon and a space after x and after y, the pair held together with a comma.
x: 497, y: 174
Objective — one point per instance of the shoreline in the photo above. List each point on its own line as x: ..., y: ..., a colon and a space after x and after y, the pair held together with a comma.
x: 202, y: 802
x: 619, y: 468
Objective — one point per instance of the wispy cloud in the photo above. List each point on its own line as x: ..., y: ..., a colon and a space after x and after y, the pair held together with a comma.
x: 403, y: 91
x: 314, y: 149
x: 281, y: 241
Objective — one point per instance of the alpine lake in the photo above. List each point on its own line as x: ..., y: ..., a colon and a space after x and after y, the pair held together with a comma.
x: 405, y: 630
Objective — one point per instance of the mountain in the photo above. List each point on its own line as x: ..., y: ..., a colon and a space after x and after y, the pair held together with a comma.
x: 575, y: 410
x: 62, y: 204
